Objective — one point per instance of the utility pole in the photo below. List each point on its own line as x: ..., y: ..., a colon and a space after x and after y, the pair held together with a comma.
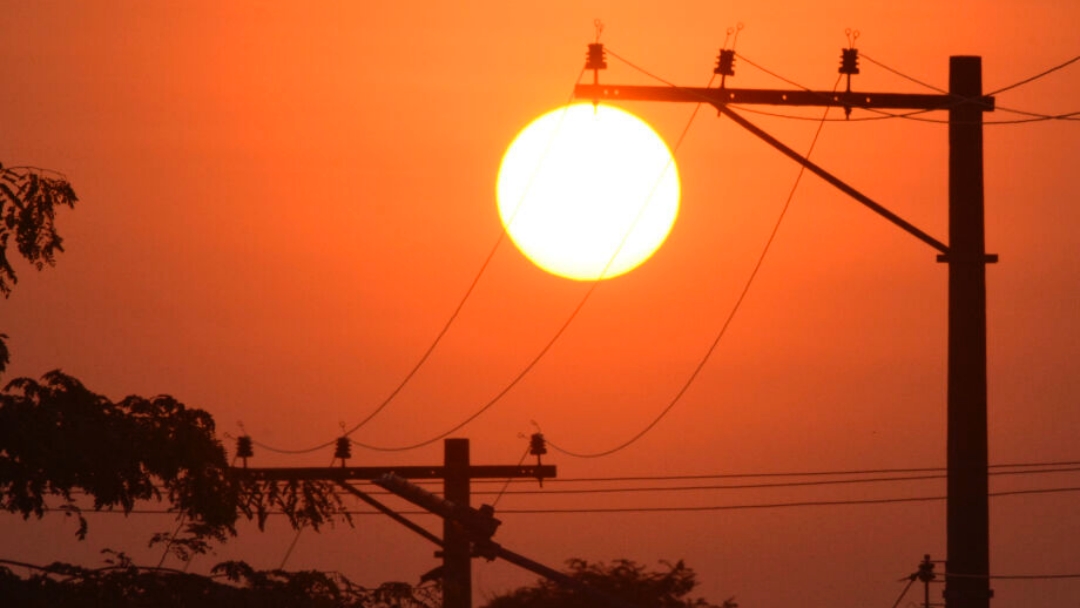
x: 457, y: 550
x: 967, y: 510
x: 456, y: 474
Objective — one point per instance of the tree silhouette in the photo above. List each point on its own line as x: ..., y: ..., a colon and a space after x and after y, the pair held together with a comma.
x: 29, y: 197
x: 59, y: 440
x: 623, y: 579
x: 121, y: 584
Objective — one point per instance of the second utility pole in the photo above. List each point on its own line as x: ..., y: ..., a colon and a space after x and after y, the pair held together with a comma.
x: 456, y: 474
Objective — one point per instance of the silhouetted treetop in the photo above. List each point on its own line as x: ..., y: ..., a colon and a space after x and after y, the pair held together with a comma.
x: 59, y: 440
x: 121, y: 584
x: 623, y: 579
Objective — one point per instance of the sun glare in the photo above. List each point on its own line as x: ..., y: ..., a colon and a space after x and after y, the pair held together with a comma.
x: 588, y: 192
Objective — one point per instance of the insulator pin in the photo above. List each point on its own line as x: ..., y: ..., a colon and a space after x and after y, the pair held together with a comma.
x: 537, y: 445
x: 596, y: 57
x: 725, y: 63
x: 342, y: 450
x: 244, y: 447
x: 849, y: 61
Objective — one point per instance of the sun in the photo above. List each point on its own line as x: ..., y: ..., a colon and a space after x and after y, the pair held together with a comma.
x: 588, y: 192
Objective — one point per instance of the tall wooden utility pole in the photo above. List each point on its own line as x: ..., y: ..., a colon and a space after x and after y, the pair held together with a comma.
x: 967, y: 518
x: 967, y: 510
x: 456, y: 473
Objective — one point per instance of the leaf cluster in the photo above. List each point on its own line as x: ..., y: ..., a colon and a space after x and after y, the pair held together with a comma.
x: 28, y: 200
x: 232, y: 584
x: 625, y: 579
x: 61, y: 441
x: 57, y: 438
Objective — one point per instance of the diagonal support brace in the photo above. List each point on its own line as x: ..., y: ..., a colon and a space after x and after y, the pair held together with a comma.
x: 835, y: 181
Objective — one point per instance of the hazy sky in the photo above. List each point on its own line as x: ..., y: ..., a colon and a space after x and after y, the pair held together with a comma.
x: 281, y: 204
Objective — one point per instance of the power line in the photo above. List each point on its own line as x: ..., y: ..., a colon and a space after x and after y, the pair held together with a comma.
x: 1033, y: 117
x: 671, y: 509
x: 878, y: 471
x: 1016, y: 577
x: 422, y: 360
x: 904, y: 592
x: 785, y: 484
x: 912, y: 115
x: 558, y: 333
x: 731, y: 315
x: 903, y: 75
x: 517, y: 379
x: 1061, y: 466
x: 1036, y: 76
x: 775, y: 505
x: 506, y: 484
x: 750, y: 486
x: 1038, y: 115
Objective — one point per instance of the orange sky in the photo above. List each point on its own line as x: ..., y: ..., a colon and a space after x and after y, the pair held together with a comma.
x: 281, y: 206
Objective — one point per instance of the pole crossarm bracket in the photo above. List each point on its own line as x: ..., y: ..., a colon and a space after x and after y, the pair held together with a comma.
x: 778, y: 97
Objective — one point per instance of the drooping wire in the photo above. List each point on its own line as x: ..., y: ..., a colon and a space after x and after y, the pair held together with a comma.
x: 1015, y: 577
x: 911, y: 582
x: 777, y: 505
x: 1032, y: 468
x: 675, y: 509
x: 1035, y: 77
x: 438, y: 338
x: 562, y: 329
x: 296, y: 538
x: 770, y: 485
x: 672, y: 509
x: 910, y: 115
x: 172, y: 539
x: 1038, y: 115
x: 506, y: 485
x: 292, y: 545
x: 723, y: 329
x: 881, y: 115
x: 903, y: 75
x: 176, y: 532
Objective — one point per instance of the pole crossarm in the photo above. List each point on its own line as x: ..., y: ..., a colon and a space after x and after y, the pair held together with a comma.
x: 408, y: 472
x: 778, y: 97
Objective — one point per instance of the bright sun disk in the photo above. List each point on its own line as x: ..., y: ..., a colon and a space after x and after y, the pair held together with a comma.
x: 588, y: 192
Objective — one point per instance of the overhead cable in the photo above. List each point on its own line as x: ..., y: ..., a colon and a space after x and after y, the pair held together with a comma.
x: 727, y: 322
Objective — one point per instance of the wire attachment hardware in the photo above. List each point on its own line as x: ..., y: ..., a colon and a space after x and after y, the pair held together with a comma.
x: 849, y: 64
x: 342, y: 450
x: 538, y: 447
x: 244, y: 449
x: 725, y: 63
x: 596, y: 58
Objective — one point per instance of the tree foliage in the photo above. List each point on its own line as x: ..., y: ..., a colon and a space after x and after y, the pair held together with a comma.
x: 623, y: 579
x: 28, y: 200
x: 121, y: 584
x: 62, y: 443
